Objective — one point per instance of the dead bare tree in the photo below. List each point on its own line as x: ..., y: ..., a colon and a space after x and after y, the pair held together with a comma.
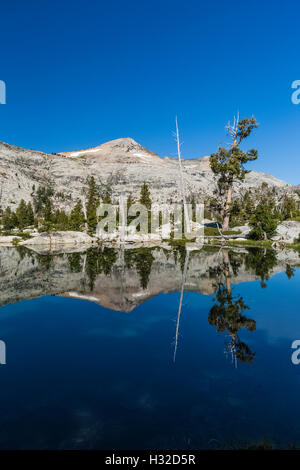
x: 185, y: 209
x: 83, y: 200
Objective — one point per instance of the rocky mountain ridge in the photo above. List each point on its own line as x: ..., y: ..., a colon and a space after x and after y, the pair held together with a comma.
x: 120, y: 166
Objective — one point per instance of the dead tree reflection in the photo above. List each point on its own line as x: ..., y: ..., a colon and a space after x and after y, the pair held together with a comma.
x: 183, y: 281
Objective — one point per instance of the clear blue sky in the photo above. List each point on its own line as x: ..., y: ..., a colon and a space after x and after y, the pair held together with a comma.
x: 79, y: 73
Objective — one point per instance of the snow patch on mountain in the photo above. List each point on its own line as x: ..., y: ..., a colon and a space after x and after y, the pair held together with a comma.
x: 83, y: 152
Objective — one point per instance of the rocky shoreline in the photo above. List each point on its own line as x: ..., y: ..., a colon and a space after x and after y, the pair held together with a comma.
x: 287, y: 233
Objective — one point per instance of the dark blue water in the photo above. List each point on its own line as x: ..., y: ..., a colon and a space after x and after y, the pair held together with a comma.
x: 81, y: 376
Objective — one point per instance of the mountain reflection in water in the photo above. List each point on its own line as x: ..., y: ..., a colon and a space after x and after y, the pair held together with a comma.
x: 157, y: 348
x: 121, y: 279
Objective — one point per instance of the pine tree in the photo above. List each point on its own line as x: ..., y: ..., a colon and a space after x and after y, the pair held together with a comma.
x: 145, y: 196
x: 60, y: 219
x: 264, y: 221
x: 76, y: 217
x: 14, y: 219
x: 91, y: 207
x: 130, y: 202
x: 21, y: 214
x: 29, y: 215
x: 92, y: 220
x: 107, y: 199
x: 40, y: 198
x: 9, y: 219
x: 228, y: 164
x: 249, y: 207
x: 289, y: 208
x: 92, y: 194
x: 236, y: 213
x: 47, y: 212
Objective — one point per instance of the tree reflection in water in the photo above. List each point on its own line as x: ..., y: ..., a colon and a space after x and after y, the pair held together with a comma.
x: 262, y: 262
x: 99, y: 261
x: 227, y: 313
x: 142, y: 259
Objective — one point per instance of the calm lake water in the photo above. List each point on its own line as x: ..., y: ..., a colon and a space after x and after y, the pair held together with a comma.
x: 101, y: 356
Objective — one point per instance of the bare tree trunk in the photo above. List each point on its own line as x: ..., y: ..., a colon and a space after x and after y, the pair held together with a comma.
x: 225, y: 225
x: 85, y: 214
x: 185, y: 209
x: 123, y: 212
